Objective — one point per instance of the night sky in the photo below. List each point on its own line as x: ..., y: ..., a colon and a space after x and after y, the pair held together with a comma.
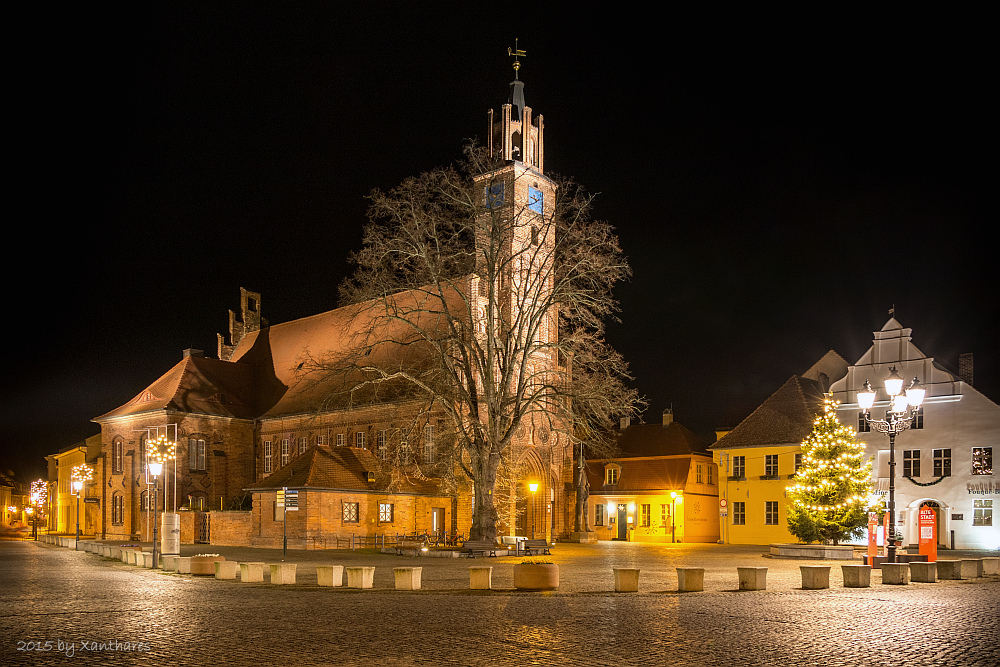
x: 778, y: 183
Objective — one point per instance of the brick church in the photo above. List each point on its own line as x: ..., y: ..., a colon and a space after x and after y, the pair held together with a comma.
x: 259, y: 418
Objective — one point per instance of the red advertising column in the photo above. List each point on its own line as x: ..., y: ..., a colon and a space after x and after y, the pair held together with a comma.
x: 872, y: 536
x: 886, y: 534
x: 928, y: 533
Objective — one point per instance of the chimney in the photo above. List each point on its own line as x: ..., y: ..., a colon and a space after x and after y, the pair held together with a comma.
x: 668, y: 416
x: 965, y: 368
x: 191, y: 352
x: 625, y: 422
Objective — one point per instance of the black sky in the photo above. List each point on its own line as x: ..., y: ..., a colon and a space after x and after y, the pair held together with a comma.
x: 778, y: 183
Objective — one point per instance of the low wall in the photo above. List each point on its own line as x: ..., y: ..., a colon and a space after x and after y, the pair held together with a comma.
x: 818, y: 551
x: 230, y: 529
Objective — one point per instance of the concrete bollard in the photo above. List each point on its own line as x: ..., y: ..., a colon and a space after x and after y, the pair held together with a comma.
x: 991, y: 566
x: 183, y: 564
x: 407, y: 578
x: 896, y: 573
x: 690, y: 579
x: 480, y: 578
x: 857, y: 576
x: 146, y: 559
x: 330, y: 575
x: 752, y: 578
x: 252, y: 573
x: 282, y: 573
x: 949, y: 569
x: 970, y: 568
x: 360, y: 577
x: 925, y: 573
x: 168, y: 563
x: 226, y: 569
x: 815, y: 577
x: 626, y: 580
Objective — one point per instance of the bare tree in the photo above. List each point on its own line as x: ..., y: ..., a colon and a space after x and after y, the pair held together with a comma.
x: 482, y: 291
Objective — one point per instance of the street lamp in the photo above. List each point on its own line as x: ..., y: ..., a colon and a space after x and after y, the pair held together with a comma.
x: 674, y: 499
x: 533, y: 487
x: 81, y: 474
x: 38, y: 494
x: 158, y: 451
x: 903, y: 407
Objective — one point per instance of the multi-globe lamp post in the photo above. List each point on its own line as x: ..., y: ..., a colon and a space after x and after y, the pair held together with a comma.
x: 903, y: 407
x: 81, y: 475
x: 39, y: 492
x: 158, y: 451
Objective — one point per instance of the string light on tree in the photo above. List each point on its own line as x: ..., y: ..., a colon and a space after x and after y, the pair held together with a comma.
x: 830, y: 499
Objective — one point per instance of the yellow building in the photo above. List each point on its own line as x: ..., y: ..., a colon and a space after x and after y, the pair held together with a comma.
x: 662, y: 488
x: 63, y: 502
x: 759, y: 457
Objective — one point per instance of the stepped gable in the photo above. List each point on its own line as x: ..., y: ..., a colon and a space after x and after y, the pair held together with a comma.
x: 196, y: 385
x: 658, y: 440
x: 337, y: 468
x: 786, y: 417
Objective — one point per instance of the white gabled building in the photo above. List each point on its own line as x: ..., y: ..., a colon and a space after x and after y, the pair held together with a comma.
x: 945, y: 458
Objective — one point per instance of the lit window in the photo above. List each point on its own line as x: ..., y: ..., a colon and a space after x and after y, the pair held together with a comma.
x: 285, y: 453
x: 196, y: 454
x: 771, y: 513
x: 340, y: 439
x: 268, y: 458
x: 611, y: 475
x: 739, y: 514
x: 351, y: 513
x: 982, y: 460
x: 117, y: 509
x: 644, y: 515
x: 942, y: 463
x: 118, y: 456
x: 664, y: 514
x: 983, y: 513
x: 911, y: 463
x: 770, y: 465
x: 599, y: 514
x: 697, y: 473
x: 359, y: 439
x: 384, y: 513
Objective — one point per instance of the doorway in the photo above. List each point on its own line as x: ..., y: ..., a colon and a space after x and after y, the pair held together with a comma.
x: 622, y: 521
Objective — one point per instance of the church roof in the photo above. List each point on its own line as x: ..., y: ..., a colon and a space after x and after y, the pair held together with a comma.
x: 340, y: 468
x: 658, y: 440
x: 786, y: 417
x: 196, y: 385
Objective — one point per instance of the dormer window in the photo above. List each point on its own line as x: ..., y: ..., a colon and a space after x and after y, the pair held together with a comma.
x: 611, y: 474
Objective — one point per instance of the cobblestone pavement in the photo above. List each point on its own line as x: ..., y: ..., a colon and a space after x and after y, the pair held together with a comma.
x: 66, y: 607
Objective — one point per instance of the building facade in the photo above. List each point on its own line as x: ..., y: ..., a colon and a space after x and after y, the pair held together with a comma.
x: 945, y: 459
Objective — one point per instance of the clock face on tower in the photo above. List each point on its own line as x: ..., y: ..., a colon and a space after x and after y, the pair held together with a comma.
x: 536, y: 200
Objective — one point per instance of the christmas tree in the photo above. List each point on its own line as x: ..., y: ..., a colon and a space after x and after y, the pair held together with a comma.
x: 830, y: 500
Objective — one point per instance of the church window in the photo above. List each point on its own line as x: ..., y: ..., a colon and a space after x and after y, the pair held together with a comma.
x: 118, y: 456
x: 359, y: 439
x: 268, y: 458
x: 982, y: 460
x: 494, y: 195
x: 285, y: 451
x: 196, y: 454
x: 536, y: 203
x: 117, y: 509
x: 144, y: 501
x: 429, y: 443
x: 351, y: 513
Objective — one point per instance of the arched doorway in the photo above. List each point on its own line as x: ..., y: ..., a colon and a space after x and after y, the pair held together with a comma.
x: 529, y: 507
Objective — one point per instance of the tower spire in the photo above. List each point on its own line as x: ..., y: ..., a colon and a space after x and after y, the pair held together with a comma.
x: 516, y: 53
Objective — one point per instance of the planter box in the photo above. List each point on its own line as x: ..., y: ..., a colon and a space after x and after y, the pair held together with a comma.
x: 360, y: 577
x: 949, y: 569
x: 226, y: 569
x: 815, y: 577
x: 282, y: 573
x: 752, y: 578
x: 407, y: 578
x: 857, y: 576
x: 204, y: 566
x: 818, y: 551
x: 690, y: 579
x: 480, y: 578
x: 536, y: 577
x: 923, y: 572
x: 626, y: 580
x: 252, y: 572
x: 330, y: 575
x: 896, y: 573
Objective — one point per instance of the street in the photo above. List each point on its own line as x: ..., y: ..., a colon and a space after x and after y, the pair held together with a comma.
x: 67, y: 607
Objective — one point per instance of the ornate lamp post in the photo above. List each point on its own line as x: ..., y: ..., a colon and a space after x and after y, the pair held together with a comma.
x: 81, y: 474
x: 903, y: 407
x: 158, y: 451
x: 534, y: 487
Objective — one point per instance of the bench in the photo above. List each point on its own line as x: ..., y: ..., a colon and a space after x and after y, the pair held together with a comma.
x: 472, y: 547
x: 538, y: 546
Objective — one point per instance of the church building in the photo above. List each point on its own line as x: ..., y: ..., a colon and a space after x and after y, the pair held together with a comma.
x: 266, y: 417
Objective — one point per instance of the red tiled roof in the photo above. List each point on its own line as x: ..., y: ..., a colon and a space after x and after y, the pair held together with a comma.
x: 658, y: 440
x: 640, y: 475
x: 786, y: 417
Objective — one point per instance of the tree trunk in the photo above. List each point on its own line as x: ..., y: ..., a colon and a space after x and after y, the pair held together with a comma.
x: 581, y: 525
x: 484, y: 515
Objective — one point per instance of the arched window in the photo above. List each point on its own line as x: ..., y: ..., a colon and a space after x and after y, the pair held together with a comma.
x: 117, y: 456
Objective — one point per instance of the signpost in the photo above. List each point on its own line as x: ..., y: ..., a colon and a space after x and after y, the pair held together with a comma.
x: 928, y: 533
x: 286, y: 501
x: 872, y: 536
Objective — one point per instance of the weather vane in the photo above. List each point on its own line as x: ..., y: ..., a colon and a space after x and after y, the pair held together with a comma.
x: 517, y: 53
